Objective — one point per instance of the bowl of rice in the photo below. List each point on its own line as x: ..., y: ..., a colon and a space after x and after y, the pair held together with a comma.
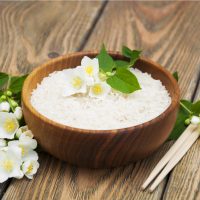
x: 100, y: 132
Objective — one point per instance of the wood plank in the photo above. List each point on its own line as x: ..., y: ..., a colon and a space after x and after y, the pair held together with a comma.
x: 162, y: 29
x: 58, y: 180
x: 166, y: 32
x: 32, y: 32
x: 184, y: 182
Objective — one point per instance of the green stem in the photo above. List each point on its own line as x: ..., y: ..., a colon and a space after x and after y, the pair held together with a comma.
x: 8, y: 84
x: 187, y: 109
x: 9, y: 101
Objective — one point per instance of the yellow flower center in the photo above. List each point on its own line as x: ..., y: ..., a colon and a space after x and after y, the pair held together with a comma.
x: 77, y: 82
x: 97, y: 89
x: 8, y: 165
x: 30, y: 168
x: 89, y: 70
x: 9, y: 125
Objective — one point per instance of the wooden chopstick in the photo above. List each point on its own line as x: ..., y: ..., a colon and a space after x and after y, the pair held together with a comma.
x: 173, y: 156
x: 169, y: 155
x: 176, y: 158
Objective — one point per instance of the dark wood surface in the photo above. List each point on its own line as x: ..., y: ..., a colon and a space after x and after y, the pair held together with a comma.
x: 168, y: 32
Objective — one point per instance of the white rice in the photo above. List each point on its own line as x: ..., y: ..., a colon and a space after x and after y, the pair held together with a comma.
x: 113, y: 112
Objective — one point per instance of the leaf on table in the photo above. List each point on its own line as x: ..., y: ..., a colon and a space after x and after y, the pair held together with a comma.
x: 196, y: 108
x: 16, y: 83
x: 180, y: 124
x: 3, y: 79
x: 186, y: 103
x: 124, y: 81
x: 106, y: 62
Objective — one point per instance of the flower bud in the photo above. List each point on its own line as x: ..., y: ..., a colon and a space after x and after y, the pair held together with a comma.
x: 18, y: 133
x: 8, y: 93
x: 28, y: 133
x: 187, y: 121
x: 3, y: 98
x: 13, y: 103
x: 18, y: 113
x: 4, y: 106
x: 195, y: 120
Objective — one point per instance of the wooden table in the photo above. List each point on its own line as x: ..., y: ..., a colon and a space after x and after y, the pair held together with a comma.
x: 168, y: 32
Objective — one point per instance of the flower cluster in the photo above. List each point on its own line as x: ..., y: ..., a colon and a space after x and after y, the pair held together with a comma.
x: 86, y: 78
x: 17, y: 155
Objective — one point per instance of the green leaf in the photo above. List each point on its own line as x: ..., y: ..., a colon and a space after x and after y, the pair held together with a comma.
x: 1, y: 92
x: 180, y: 124
x: 175, y: 75
x: 187, y: 105
x: 196, y: 108
x: 124, y: 81
x: 3, y: 79
x: 122, y: 63
x: 106, y: 62
x: 127, y: 52
x: 16, y: 83
x: 132, y: 54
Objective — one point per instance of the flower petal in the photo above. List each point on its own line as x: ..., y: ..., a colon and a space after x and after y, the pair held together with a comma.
x: 85, y: 61
x: 31, y: 155
x: 99, y: 90
x: 8, y: 125
x: 3, y: 176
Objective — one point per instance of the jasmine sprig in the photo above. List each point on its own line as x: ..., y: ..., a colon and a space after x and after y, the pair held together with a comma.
x: 11, y: 86
x: 188, y: 113
x: 17, y: 146
x: 117, y: 73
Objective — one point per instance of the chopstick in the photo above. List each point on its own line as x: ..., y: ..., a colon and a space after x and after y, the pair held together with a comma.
x: 173, y: 156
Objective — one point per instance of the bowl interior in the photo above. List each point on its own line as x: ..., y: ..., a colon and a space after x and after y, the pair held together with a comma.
x: 74, y: 59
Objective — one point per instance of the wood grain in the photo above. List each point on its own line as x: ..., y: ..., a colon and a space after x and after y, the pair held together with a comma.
x: 58, y: 180
x: 31, y: 32
x: 168, y: 32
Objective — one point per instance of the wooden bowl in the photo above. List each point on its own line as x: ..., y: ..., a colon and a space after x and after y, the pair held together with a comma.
x: 99, y: 148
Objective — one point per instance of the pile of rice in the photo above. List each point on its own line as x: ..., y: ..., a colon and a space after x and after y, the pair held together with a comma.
x: 115, y: 111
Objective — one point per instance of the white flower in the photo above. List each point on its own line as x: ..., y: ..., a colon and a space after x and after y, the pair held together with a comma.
x: 18, y: 113
x: 27, y: 145
x: 195, y: 120
x: 10, y: 162
x: 99, y: 90
x: 4, y: 106
x: 91, y: 68
x: 8, y: 125
x: 24, y: 131
x: 3, y: 143
x: 30, y: 168
x: 75, y: 81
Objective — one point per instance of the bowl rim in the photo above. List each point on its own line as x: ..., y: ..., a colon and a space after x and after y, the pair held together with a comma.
x: 26, y: 101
